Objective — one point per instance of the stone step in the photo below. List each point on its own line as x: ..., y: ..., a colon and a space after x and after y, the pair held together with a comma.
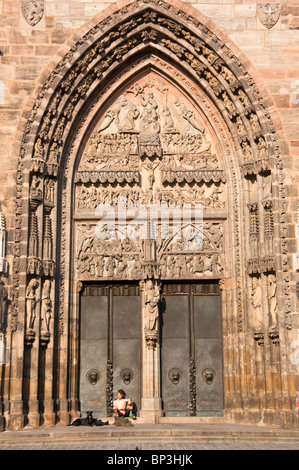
x: 174, y: 432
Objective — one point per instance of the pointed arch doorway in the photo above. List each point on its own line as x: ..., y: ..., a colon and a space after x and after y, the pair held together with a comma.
x: 149, y: 107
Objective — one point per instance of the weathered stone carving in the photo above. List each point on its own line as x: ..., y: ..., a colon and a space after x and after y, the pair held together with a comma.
x: 35, y: 192
x: 210, y: 196
x: 151, y: 291
x: 188, y: 156
x: 46, y: 310
x: 272, y: 299
x: 256, y: 302
x: 32, y: 10
x: 262, y: 148
x: 149, y: 117
x: 268, y: 14
x: 268, y: 228
x: 31, y: 301
x: 48, y: 242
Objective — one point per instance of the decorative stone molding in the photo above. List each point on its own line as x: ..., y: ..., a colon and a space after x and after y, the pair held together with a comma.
x: 3, y: 235
x: 3, y: 307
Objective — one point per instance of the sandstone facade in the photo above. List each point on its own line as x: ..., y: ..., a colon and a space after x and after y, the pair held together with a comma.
x: 159, y: 102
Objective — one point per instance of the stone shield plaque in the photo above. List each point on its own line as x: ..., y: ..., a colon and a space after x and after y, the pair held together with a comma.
x: 268, y: 14
x: 32, y: 10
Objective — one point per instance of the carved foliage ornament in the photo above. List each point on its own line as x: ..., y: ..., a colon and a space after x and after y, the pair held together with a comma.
x: 33, y: 11
x: 268, y: 14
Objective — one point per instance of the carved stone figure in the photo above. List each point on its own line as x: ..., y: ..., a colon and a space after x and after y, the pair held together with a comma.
x: 169, y: 125
x: 150, y: 166
x: 272, y: 299
x: 39, y: 149
x: 188, y: 115
x: 128, y: 123
x: 31, y: 303
x: 149, y: 118
x: 256, y: 302
x: 46, y: 307
x: 151, y: 300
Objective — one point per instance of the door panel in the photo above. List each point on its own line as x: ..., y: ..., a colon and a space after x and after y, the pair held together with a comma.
x: 110, y: 337
x: 208, y: 354
x: 126, y: 346
x: 175, y: 355
x: 191, y: 345
x: 93, y: 353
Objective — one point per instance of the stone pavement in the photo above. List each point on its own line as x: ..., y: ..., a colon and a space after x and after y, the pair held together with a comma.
x: 156, y: 437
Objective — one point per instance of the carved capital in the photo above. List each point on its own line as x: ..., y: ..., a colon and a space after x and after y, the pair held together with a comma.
x: 151, y: 338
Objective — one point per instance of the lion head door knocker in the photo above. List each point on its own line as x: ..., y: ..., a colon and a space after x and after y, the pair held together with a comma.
x: 175, y: 376
x: 93, y: 376
x: 209, y: 376
x: 127, y: 376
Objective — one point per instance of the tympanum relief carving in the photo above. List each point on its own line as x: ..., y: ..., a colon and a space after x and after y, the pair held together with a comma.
x: 150, y: 149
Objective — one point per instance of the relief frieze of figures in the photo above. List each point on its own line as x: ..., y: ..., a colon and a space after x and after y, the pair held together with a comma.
x: 210, y: 196
x: 146, y: 128
x: 189, y: 255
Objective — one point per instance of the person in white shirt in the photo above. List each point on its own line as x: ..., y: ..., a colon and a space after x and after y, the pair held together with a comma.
x: 122, y: 406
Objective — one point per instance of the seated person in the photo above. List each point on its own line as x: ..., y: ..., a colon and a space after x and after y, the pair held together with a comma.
x: 122, y: 406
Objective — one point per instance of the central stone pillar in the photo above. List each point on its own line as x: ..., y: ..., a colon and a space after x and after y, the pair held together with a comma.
x: 151, y: 404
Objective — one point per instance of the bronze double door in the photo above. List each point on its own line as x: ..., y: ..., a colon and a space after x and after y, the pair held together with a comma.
x: 190, y: 347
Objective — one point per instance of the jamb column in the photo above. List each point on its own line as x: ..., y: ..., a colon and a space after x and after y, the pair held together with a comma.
x: 49, y: 414
x: 33, y: 344
x: 64, y: 414
x: 74, y: 351
x: 17, y: 327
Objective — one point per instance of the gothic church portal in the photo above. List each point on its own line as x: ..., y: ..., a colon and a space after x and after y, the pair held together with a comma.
x: 151, y: 110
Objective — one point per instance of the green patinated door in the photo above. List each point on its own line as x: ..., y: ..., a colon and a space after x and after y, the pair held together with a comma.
x: 110, y: 346
x: 191, y: 349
